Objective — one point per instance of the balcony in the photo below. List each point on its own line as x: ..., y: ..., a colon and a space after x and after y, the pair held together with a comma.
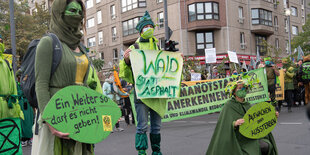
x: 262, y: 29
x: 204, y: 25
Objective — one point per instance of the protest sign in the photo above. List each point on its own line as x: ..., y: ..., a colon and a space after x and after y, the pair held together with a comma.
x: 209, y: 97
x: 85, y: 114
x: 259, y: 121
x: 10, y: 136
x: 306, y: 71
x: 195, y: 76
x: 233, y: 57
x: 280, y: 87
x: 157, y: 74
x: 210, y: 55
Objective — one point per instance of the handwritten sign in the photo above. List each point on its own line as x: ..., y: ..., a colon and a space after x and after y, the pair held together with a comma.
x: 233, y: 57
x: 85, y: 114
x: 210, y: 55
x: 157, y: 74
x: 259, y: 121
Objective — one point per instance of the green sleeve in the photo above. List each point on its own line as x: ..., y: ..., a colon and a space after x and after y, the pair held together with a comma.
x: 290, y: 74
x: 125, y: 71
x: 43, y: 65
x: 98, y: 88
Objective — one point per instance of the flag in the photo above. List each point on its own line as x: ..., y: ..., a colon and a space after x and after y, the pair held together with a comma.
x: 244, y: 66
x: 257, y: 57
x: 252, y: 64
x: 300, y: 53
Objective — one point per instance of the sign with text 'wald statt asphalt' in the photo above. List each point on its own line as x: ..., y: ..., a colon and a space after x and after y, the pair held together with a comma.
x: 259, y: 121
x: 85, y: 114
x: 209, y: 97
x: 157, y: 74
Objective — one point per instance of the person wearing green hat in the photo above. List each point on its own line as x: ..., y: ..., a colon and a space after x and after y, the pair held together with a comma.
x: 272, y: 73
x: 226, y: 138
x: 73, y: 69
x: 155, y: 106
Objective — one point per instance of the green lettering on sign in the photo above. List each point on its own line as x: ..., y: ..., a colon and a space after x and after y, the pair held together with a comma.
x: 85, y: 114
x: 259, y: 121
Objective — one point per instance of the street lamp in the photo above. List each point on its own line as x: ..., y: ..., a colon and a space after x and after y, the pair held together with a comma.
x: 288, y: 14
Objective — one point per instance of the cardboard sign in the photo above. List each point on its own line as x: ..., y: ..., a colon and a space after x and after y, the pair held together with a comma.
x: 280, y: 88
x: 259, y: 121
x: 10, y: 136
x: 85, y: 114
x: 233, y: 57
x: 157, y: 74
x: 195, y: 76
x: 210, y: 55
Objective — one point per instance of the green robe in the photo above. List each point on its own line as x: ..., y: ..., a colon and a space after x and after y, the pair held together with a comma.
x: 227, y: 139
x: 157, y: 104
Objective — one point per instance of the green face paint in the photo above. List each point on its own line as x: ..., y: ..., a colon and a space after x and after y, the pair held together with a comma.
x: 73, y: 8
x: 241, y: 93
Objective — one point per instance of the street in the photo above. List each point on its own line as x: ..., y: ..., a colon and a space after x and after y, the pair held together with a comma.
x: 192, y: 136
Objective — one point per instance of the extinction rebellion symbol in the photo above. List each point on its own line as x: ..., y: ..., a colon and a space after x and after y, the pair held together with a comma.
x: 9, y: 136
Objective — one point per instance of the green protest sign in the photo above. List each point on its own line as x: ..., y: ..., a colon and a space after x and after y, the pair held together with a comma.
x: 157, y: 74
x: 259, y: 121
x: 85, y: 114
x: 209, y: 97
x: 10, y: 136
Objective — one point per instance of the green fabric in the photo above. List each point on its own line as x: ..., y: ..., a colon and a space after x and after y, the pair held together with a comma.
x: 64, y: 75
x: 64, y: 30
x: 9, y: 90
x: 267, y: 58
x: 145, y: 20
x: 157, y: 104
x: 148, y: 33
x: 71, y: 147
x: 1, y: 49
x: 155, y: 144
x: 271, y: 76
x: 226, y: 138
x: 93, y: 80
x: 288, y: 79
x: 141, y: 141
x: 27, y: 123
x: 10, y: 130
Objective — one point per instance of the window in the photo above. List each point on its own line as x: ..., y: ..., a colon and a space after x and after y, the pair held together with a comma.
x: 286, y: 25
x: 294, y: 30
x: 90, y: 22
x: 113, y: 33
x: 204, y: 40
x: 102, y: 55
x: 240, y: 12
x: 98, y: 1
x: 129, y: 26
x: 242, y: 40
x: 91, y: 42
x: 159, y: 1
x: 115, y: 53
x: 276, y: 26
x: 294, y: 11
x: 260, y: 47
x: 89, y: 4
x: 203, y: 11
x: 100, y: 37
x: 285, y: 3
x: 132, y: 4
x: 99, y: 17
x: 160, y: 17
x: 277, y: 44
x: 112, y: 11
x: 287, y: 46
x: 262, y: 17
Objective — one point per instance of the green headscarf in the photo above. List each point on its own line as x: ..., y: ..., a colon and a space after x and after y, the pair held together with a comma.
x: 63, y: 27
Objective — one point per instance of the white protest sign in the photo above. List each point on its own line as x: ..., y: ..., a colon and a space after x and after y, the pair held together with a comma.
x: 157, y: 74
x: 233, y: 57
x: 210, y: 55
x: 195, y: 76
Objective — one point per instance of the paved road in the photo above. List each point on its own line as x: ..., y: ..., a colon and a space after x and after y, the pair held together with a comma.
x: 192, y: 136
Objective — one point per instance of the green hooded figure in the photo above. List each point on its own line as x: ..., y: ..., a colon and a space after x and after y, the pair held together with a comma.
x: 73, y: 69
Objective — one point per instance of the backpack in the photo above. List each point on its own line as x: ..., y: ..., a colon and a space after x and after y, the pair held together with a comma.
x: 305, y: 75
x: 27, y: 67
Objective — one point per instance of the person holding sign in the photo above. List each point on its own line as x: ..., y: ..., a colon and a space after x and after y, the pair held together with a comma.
x: 155, y: 106
x: 227, y: 139
x: 73, y: 69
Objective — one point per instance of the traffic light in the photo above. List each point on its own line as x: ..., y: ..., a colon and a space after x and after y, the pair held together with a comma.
x: 170, y: 46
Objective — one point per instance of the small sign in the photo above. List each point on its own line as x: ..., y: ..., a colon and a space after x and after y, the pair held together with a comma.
x: 85, y: 114
x: 259, y: 121
x: 233, y: 57
x: 210, y: 55
x: 195, y: 76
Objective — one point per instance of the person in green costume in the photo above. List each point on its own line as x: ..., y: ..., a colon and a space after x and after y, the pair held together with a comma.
x: 73, y: 69
x: 155, y: 106
x: 227, y: 139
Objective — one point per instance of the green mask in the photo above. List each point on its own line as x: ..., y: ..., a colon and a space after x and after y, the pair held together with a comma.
x: 148, y: 33
x: 74, y: 9
x: 241, y: 93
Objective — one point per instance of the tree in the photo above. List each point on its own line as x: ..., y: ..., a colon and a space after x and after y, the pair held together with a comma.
x: 27, y: 27
x: 271, y: 51
x: 303, y: 38
x: 98, y: 64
